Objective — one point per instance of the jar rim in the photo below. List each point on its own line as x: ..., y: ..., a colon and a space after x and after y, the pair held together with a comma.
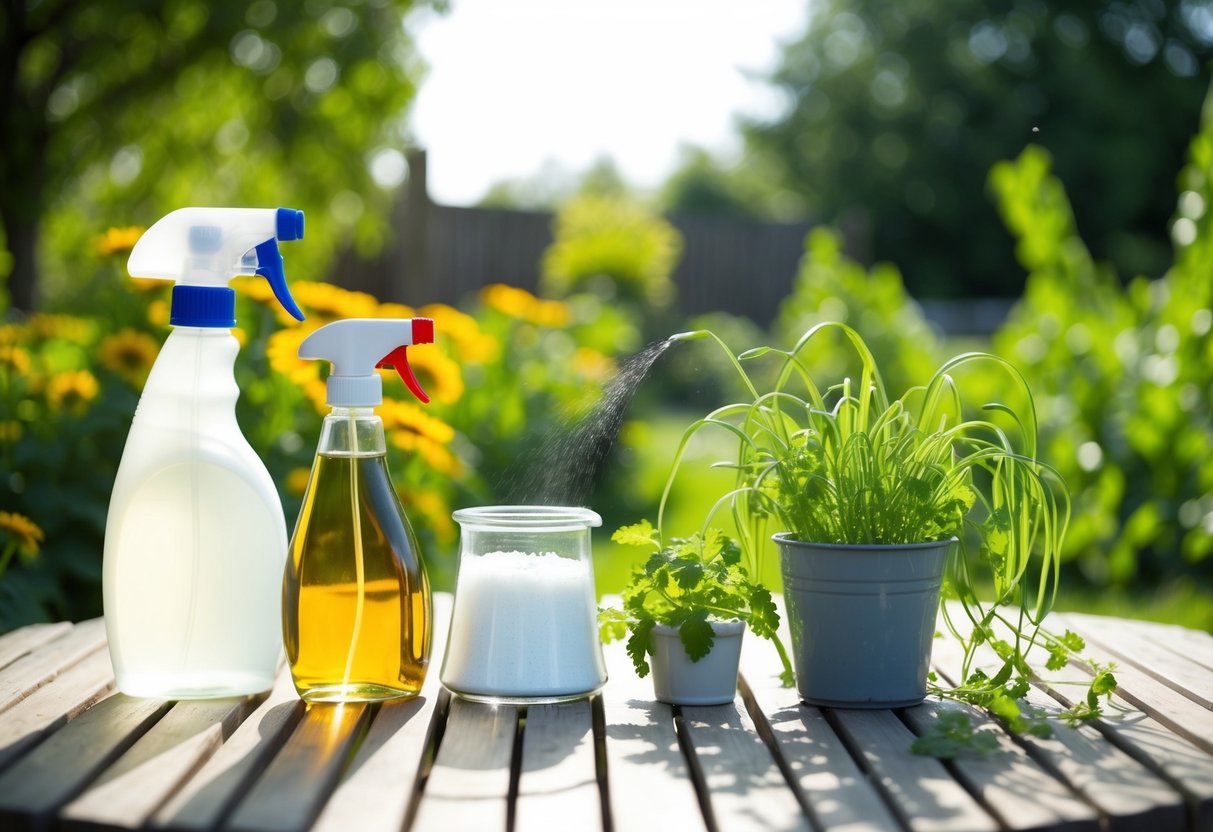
x: 527, y: 517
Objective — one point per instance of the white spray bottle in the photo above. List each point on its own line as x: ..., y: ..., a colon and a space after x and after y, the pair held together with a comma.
x: 356, y: 613
x: 195, y: 540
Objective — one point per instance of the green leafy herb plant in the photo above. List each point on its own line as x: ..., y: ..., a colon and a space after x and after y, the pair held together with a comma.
x: 848, y: 464
x: 686, y: 584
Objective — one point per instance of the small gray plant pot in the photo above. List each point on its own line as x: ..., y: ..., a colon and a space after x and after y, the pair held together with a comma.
x: 710, y: 681
x: 862, y: 619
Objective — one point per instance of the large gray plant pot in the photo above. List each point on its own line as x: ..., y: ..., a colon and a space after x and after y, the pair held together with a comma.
x: 710, y: 681
x: 862, y: 619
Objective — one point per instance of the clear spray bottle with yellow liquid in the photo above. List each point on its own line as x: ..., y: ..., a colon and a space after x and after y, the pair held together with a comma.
x: 356, y: 609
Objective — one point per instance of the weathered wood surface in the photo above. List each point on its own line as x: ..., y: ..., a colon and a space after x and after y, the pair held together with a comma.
x: 74, y: 754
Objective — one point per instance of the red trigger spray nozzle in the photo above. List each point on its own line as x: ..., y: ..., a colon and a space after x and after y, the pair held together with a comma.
x: 399, y: 360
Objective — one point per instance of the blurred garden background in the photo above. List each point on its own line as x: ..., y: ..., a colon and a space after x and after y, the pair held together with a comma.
x: 1025, y: 177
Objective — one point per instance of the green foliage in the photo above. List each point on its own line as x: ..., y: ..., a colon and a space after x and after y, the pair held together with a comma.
x: 895, y: 117
x: 613, y: 247
x: 1126, y: 376
x: 686, y: 585
x: 121, y: 111
x: 846, y: 464
x: 952, y: 735
x: 832, y: 287
x: 69, y: 386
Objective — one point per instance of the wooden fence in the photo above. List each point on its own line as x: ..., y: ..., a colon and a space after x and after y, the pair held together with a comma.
x: 441, y: 253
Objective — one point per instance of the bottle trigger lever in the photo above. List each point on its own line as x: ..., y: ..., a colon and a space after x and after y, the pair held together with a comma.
x: 398, y: 359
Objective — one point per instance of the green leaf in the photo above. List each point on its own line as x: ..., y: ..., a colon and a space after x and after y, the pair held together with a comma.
x: 687, y: 572
x: 696, y: 635
x: 640, y: 645
x: 764, y: 616
x: 637, y: 534
x: 612, y: 624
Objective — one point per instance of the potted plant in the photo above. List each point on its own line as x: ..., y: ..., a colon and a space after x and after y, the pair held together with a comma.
x: 877, y: 503
x: 686, y: 609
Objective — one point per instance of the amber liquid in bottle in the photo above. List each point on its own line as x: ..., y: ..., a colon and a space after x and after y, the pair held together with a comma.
x: 356, y: 601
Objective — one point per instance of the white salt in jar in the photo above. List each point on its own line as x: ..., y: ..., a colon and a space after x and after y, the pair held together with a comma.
x: 524, y: 624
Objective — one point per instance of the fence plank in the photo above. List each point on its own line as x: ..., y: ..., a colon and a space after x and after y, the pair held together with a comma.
x: 24, y: 676
x: 67, y: 761
x: 143, y: 778
x: 470, y: 782
x: 26, y: 640
x: 53, y: 705
x: 558, y: 786
x: 231, y: 772
x: 379, y: 788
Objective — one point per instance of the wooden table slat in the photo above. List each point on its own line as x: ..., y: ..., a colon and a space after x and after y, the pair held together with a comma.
x: 66, y: 762
x: 646, y: 772
x: 558, y: 784
x: 143, y: 778
x: 231, y: 771
x: 747, y: 789
x: 1127, y: 793
x: 1179, y: 761
x: 839, y: 795
x: 469, y: 785
x: 1129, y: 645
x: 1002, y: 778
x: 26, y: 675
x: 22, y: 642
x: 1165, y: 704
x: 921, y: 790
x: 294, y: 787
x: 54, y: 705
x: 377, y: 790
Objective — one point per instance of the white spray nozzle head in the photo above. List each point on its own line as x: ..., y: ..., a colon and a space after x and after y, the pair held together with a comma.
x: 356, y: 346
x: 207, y: 247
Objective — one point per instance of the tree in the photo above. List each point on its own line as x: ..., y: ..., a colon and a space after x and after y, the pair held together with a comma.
x: 898, y: 111
x: 115, y: 112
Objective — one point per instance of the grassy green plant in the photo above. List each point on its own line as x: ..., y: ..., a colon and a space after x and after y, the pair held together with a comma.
x: 687, y: 583
x: 849, y: 464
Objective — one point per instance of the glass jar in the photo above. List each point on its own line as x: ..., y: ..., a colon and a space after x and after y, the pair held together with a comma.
x: 524, y: 625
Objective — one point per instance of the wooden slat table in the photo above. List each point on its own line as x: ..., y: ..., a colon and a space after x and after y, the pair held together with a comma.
x: 76, y: 755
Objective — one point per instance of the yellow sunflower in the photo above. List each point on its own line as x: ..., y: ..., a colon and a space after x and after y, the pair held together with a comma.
x: 72, y: 391
x: 67, y: 327
x: 23, y: 531
x: 282, y: 349
x: 12, y: 333
x: 592, y: 364
x: 436, y: 456
x: 406, y: 416
x: 130, y: 355
x: 15, y: 358
x: 521, y: 304
x: 297, y: 480
x: 439, y: 375
x: 328, y: 301
x: 471, y: 344
x: 435, y: 509
x: 117, y: 240
x: 395, y: 310
x: 158, y: 313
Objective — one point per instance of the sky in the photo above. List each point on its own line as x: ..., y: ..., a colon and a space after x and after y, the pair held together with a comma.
x: 517, y: 86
